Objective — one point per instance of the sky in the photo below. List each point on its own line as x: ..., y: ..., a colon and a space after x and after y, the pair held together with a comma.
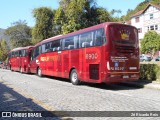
x: 15, y: 10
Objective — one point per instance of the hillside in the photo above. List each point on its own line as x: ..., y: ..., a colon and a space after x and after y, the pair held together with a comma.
x: 3, y: 36
x: 139, y: 7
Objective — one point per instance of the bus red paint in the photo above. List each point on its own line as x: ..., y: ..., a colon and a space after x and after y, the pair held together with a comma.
x: 105, y: 53
x: 19, y: 59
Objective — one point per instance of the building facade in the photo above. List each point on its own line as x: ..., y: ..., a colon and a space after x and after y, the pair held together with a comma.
x: 147, y: 19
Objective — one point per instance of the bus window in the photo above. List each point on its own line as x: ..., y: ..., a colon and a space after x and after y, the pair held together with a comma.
x: 16, y: 53
x: 86, y: 40
x: 43, y: 48
x: 47, y: 47
x: 36, y: 52
x: 26, y: 53
x: 76, y: 42
x: 12, y: 54
x: 20, y: 53
x: 57, y: 45
x: 68, y: 43
x: 99, y: 37
x: 23, y: 53
x: 32, y: 55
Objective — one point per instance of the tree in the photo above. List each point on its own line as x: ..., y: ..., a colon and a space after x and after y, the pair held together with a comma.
x: 4, y: 49
x: 150, y: 43
x: 20, y: 34
x: 103, y: 15
x: 73, y: 15
x: 44, y: 24
x: 59, y: 20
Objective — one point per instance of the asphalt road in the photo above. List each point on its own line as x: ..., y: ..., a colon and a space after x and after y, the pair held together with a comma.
x: 28, y: 92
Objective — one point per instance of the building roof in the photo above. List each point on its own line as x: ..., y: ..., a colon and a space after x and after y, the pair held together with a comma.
x: 138, y: 13
x: 142, y: 11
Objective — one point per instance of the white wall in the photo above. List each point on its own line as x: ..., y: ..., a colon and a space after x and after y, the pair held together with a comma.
x: 139, y: 24
x: 146, y: 22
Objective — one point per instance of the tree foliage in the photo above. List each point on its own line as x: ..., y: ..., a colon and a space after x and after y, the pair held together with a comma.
x: 4, y: 49
x: 150, y: 43
x: 140, y: 6
x: 73, y: 15
x: 20, y: 34
x: 44, y: 24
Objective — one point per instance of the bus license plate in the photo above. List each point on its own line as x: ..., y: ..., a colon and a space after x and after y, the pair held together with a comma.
x: 125, y: 76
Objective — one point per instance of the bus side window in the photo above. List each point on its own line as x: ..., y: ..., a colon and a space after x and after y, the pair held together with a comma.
x: 37, y: 52
x: 32, y: 55
x: 86, y: 40
x: 20, y: 53
x: 76, y: 42
x: 53, y: 48
x: 17, y: 54
x: 26, y: 53
x: 57, y: 44
x: 47, y: 47
x: 11, y: 54
x: 99, y: 37
x: 43, y: 48
x: 69, y: 43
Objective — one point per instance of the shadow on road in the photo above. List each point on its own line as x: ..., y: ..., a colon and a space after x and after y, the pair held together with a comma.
x: 10, y: 100
x: 116, y: 86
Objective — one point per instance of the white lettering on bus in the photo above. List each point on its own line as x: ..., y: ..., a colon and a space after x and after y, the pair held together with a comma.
x: 91, y: 56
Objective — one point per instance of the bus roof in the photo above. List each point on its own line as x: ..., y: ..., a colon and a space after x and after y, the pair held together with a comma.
x: 102, y: 25
x: 21, y: 48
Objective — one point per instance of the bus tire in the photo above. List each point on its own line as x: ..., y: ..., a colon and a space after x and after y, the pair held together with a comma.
x: 11, y: 69
x: 74, y: 77
x: 21, y: 70
x: 39, y: 72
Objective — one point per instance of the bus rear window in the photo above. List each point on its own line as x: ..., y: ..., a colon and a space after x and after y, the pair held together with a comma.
x: 124, y: 38
x: 123, y: 35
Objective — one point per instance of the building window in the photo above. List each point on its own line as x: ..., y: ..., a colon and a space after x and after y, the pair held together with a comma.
x: 153, y: 27
x: 137, y: 19
x: 151, y: 16
x: 156, y: 27
x: 139, y: 30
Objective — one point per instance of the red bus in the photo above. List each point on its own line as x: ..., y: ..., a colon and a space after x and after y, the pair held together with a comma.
x: 19, y: 59
x: 104, y: 53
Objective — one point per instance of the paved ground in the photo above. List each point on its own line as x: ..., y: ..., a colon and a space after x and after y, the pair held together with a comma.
x: 29, y: 92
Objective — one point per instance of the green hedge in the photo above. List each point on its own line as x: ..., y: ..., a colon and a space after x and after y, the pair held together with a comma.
x: 150, y: 72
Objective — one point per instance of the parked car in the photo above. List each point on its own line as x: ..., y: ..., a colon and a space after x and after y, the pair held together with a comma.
x: 157, y: 59
x: 1, y: 64
x: 145, y: 58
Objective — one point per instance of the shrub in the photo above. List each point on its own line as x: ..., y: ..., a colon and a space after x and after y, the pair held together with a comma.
x: 149, y: 72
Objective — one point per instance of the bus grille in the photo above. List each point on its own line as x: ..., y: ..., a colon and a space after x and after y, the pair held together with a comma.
x: 125, y: 49
x: 94, y: 71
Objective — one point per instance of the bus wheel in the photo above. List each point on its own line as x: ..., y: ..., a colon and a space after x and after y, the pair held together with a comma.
x: 74, y: 77
x: 11, y: 69
x: 21, y: 70
x: 39, y: 72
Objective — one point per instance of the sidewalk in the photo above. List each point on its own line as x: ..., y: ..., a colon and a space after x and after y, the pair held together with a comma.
x: 144, y: 84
